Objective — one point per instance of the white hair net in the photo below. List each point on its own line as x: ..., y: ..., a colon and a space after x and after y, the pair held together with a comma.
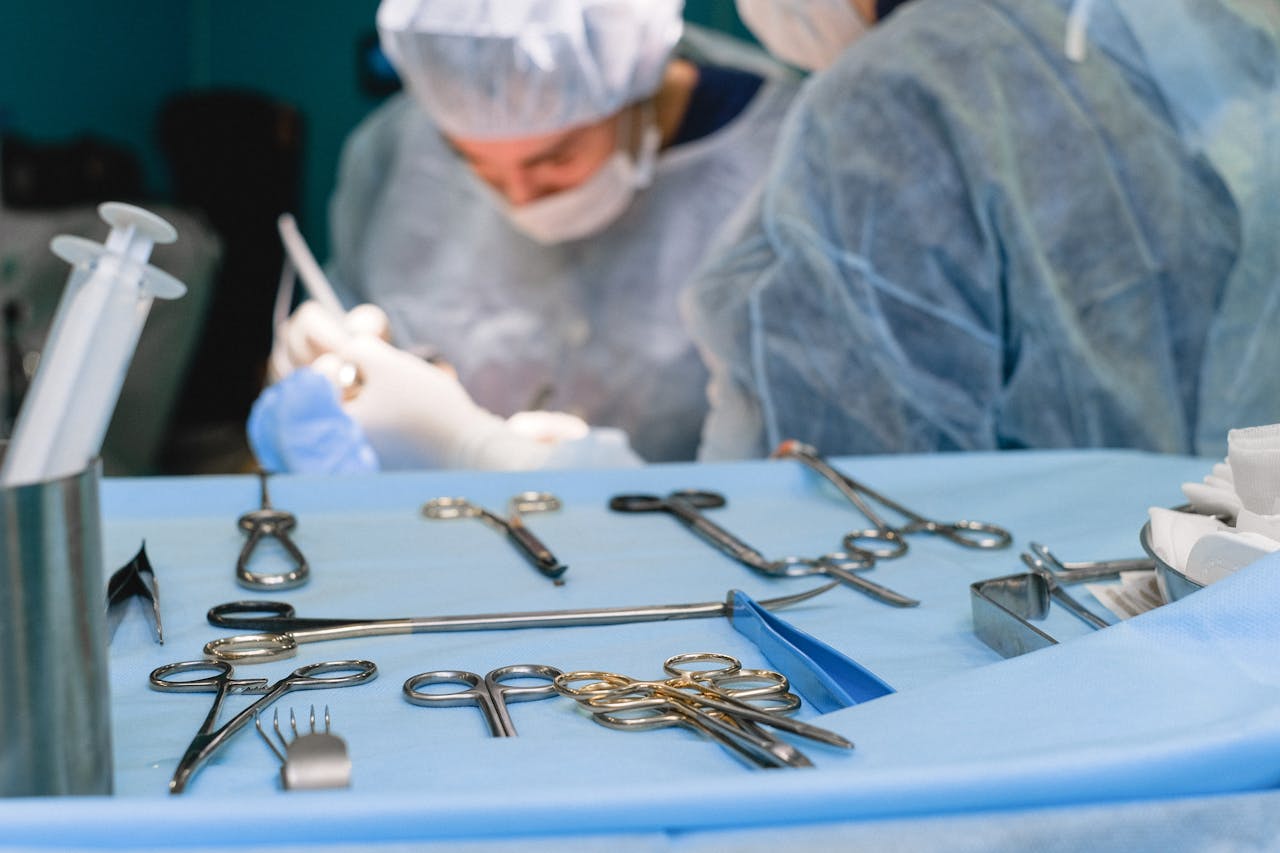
x: 505, y: 68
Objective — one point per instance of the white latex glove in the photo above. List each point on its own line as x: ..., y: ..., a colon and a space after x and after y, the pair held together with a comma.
x: 312, y: 331
x: 416, y: 415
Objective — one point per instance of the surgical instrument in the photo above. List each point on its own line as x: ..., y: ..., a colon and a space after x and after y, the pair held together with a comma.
x: 287, y: 630
x: 705, y: 699
x: 135, y: 580
x: 969, y: 534
x: 259, y: 524
x: 208, y: 738
x: 1002, y: 608
x: 1039, y: 558
x: 313, y: 759
x: 109, y: 292
x: 685, y: 505
x: 538, y: 555
x: 490, y: 693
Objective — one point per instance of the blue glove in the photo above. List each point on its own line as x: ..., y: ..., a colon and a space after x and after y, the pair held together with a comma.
x: 298, y: 426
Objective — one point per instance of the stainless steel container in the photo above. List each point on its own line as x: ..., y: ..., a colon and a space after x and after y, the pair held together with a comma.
x: 55, y: 724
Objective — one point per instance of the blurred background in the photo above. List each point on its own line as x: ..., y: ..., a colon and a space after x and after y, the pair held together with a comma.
x: 219, y: 116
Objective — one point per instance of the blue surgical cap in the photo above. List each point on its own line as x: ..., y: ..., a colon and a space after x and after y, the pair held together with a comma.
x: 491, y: 69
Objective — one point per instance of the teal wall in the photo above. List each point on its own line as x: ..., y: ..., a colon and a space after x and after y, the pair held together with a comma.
x: 74, y: 66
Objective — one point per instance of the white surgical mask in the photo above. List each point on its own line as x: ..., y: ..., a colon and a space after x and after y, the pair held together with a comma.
x: 591, y: 206
x: 806, y: 33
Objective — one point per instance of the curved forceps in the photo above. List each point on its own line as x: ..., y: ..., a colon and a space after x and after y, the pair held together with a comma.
x: 969, y: 534
x: 259, y: 524
x: 686, y: 504
x: 538, y: 554
x: 209, y: 739
x: 489, y: 693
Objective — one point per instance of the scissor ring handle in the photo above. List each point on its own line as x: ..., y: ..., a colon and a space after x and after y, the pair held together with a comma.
x: 471, y: 691
x: 595, y: 681
x: 499, y: 681
x: 896, y: 546
x: 728, y: 665
x: 268, y: 520
x: 160, y: 676
x: 252, y: 648
x: 987, y: 536
x: 450, y: 507
x: 312, y: 676
x: 533, y: 502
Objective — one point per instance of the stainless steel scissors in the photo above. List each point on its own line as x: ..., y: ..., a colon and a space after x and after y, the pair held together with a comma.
x: 538, y: 554
x: 259, y: 524
x: 686, y: 506
x: 208, y: 738
x: 490, y: 693
x: 287, y: 630
x: 883, y: 540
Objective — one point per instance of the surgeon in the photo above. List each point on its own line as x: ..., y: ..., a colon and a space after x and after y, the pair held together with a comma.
x: 1005, y: 224
x: 529, y: 211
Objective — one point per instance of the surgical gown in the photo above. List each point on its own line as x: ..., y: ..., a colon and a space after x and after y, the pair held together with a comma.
x: 590, y: 327
x: 969, y: 241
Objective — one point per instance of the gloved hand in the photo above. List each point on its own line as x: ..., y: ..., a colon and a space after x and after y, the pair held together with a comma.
x: 312, y: 331
x: 416, y: 415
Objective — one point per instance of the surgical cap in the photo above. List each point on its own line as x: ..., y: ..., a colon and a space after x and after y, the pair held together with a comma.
x: 491, y: 69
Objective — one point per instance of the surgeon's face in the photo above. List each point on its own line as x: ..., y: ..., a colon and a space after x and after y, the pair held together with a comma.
x: 530, y: 167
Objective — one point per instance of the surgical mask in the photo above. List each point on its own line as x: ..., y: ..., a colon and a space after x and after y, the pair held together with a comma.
x: 594, y: 204
x: 806, y: 33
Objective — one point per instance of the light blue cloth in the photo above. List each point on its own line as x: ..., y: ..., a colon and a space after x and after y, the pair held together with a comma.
x: 1125, y: 720
x: 298, y: 426
x: 590, y: 326
x: 969, y: 241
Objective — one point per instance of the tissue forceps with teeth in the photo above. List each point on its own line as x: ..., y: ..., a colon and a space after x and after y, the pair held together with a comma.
x: 969, y: 534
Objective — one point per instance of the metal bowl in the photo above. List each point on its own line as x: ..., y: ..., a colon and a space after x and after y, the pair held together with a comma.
x: 1173, y: 584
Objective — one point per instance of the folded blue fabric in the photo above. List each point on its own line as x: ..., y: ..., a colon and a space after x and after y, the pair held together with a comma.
x: 298, y: 426
x: 826, y: 678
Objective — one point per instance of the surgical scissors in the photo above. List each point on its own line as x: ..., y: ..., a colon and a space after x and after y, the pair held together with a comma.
x: 969, y: 534
x: 287, y: 630
x: 685, y: 505
x: 209, y: 739
x: 259, y: 524
x: 490, y: 693
x: 538, y: 554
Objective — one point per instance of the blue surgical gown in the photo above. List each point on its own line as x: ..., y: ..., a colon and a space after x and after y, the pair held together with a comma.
x: 591, y: 326
x: 970, y: 241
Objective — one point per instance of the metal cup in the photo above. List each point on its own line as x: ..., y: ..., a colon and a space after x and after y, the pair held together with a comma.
x: 55, y: 725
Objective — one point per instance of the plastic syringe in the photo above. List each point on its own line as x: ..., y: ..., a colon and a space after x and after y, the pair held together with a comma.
x: 95, y: 330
